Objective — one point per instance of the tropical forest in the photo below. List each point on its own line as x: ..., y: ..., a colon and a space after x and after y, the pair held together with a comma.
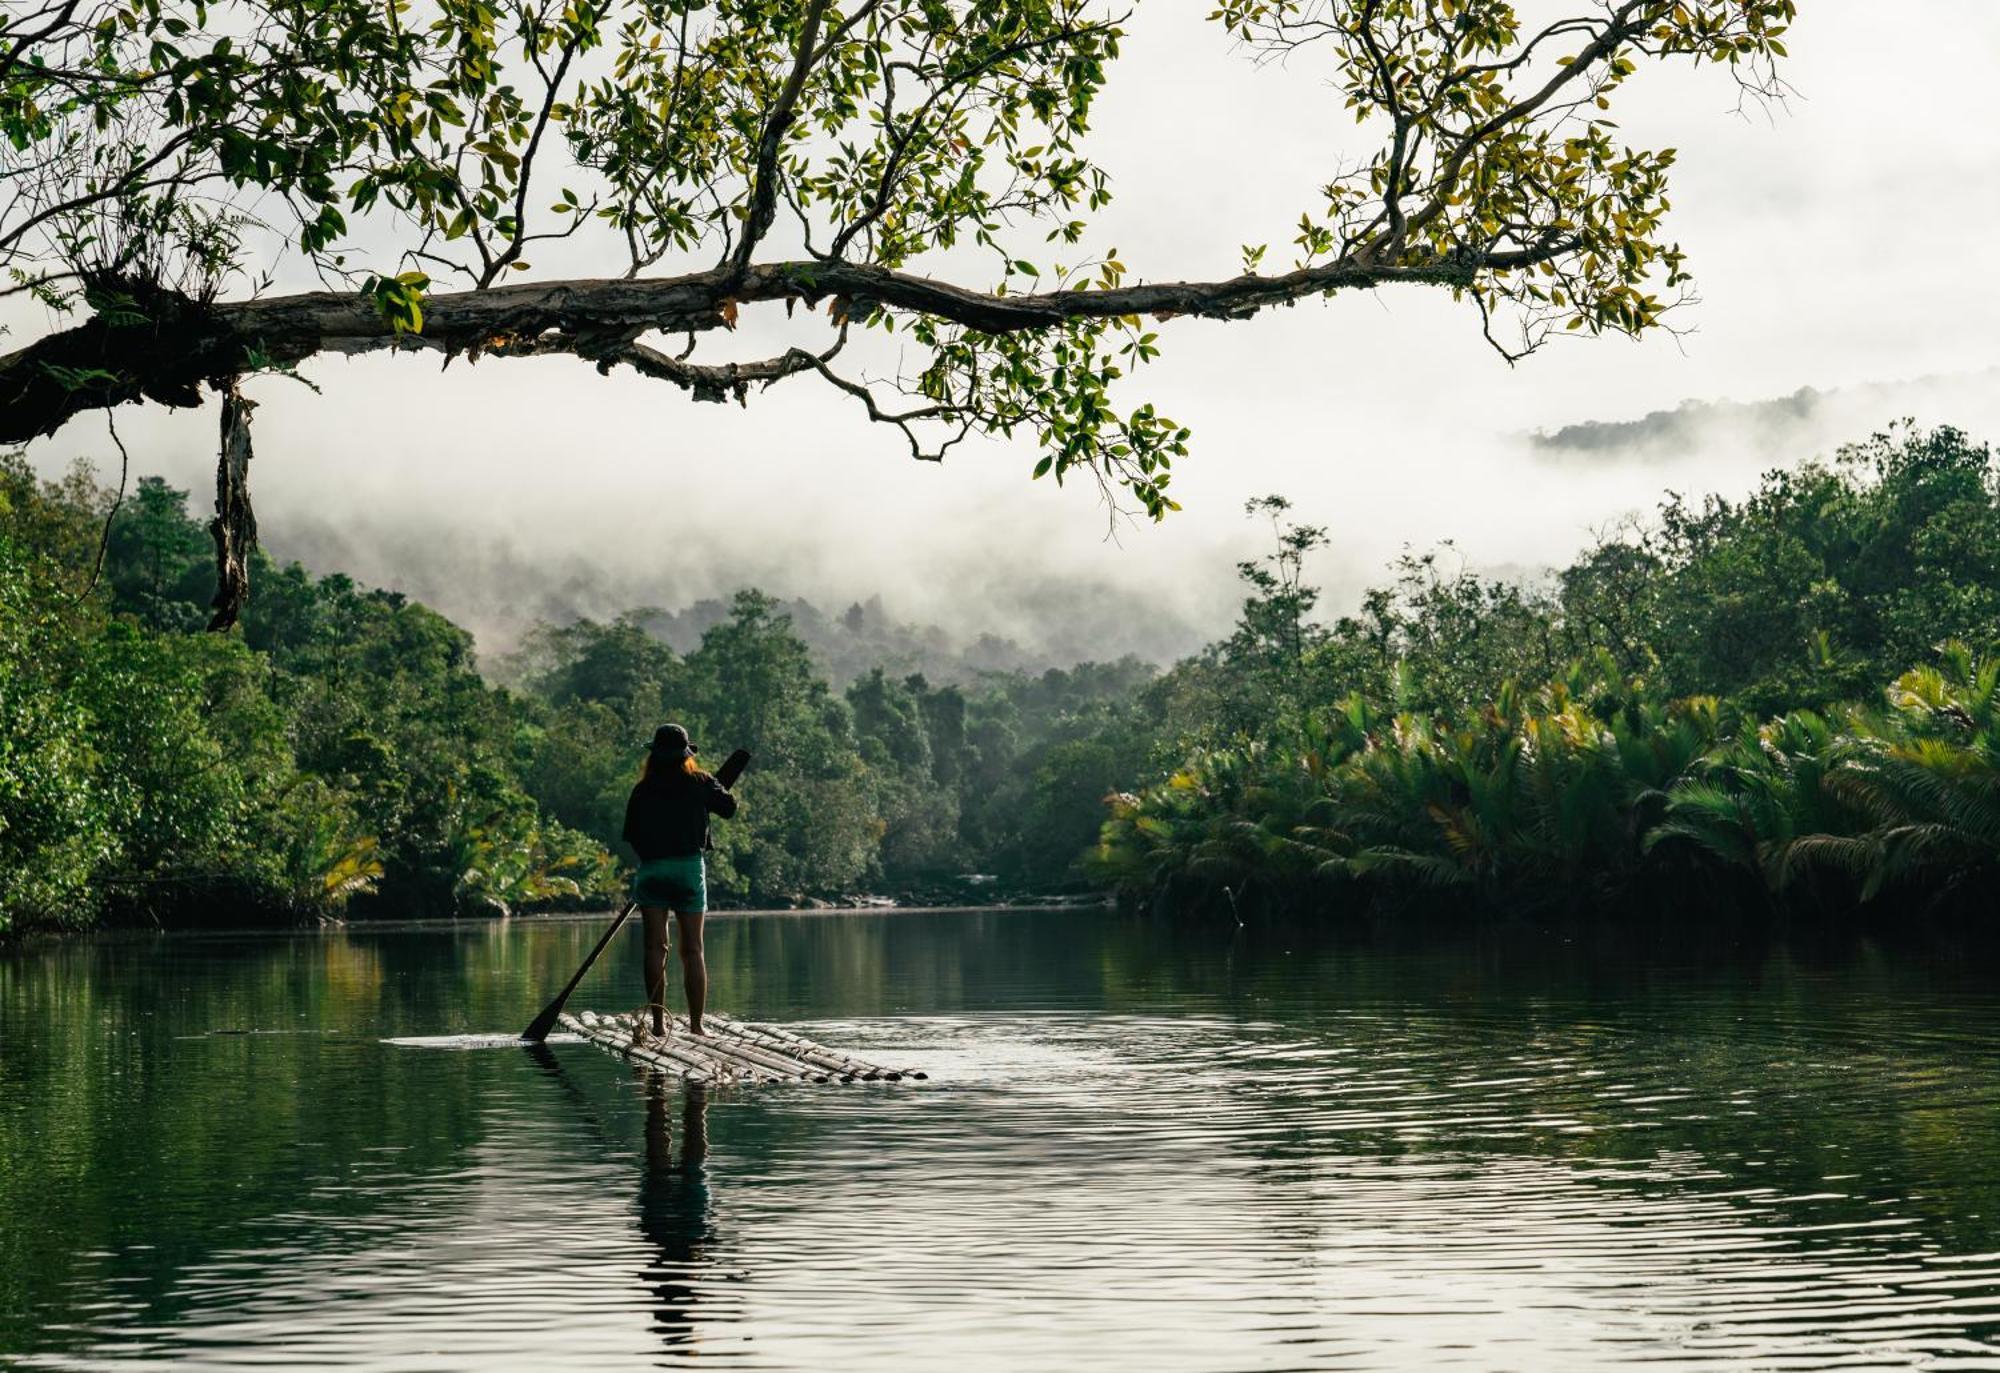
x: 1784, y: 702
x: 885, y: 685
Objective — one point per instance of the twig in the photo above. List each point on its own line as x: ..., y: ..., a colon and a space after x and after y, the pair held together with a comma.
x: 104, y: 540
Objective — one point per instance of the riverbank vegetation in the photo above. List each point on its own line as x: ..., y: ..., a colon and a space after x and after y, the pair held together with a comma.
x: 1784, y: 700
x: 341, y: 746
x: 1788, y: 699
x: 341, y: 753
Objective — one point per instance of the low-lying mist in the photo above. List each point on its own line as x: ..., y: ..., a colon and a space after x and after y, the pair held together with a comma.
x: 979, y: 582
x: 571, y: 511
x: 1026, y: 621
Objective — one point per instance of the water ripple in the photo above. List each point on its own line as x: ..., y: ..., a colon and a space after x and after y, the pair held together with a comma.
x: 1690, y: 1178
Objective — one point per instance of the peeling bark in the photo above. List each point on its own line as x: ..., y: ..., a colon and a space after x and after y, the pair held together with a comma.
x: 234, y: 527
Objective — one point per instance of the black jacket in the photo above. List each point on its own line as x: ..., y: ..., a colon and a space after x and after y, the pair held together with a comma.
x: 667, y: 817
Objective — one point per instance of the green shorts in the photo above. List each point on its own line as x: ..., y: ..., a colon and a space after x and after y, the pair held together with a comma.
x: 680, y: 884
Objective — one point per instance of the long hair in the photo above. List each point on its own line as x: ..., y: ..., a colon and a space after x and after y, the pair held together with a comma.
x: 688, y: 767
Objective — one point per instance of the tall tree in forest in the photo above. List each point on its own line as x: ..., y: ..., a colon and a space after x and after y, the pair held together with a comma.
x: 915, y: 166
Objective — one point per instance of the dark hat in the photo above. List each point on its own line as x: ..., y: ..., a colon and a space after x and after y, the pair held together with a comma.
x: 671, y: 742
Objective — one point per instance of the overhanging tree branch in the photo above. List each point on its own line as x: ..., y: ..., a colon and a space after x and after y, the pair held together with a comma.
x: 165, y: 355
x: 898, y: 132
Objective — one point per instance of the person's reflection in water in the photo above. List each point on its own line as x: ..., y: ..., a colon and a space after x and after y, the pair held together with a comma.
x: 673, y: 1205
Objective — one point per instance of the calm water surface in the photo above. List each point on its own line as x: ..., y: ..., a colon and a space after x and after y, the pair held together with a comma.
x: 1142, y: 1146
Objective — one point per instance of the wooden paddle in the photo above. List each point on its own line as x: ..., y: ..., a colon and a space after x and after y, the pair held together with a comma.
x: 732, y: 768
x: 538, y: 1029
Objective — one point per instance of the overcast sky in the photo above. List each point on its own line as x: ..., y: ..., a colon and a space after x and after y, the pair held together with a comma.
x: 1843, y: 243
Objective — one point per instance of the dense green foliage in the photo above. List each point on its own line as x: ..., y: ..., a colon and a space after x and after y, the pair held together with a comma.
x: 343, y: 746
x: 343, y: 752
x: 1696, y: 705
x: 895, y: 783
x: 1710, y: 716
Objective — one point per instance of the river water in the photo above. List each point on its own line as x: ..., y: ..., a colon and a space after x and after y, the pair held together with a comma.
x: 1142, y: 1145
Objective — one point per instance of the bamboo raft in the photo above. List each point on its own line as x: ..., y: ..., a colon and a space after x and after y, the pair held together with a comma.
x: 732, y: 1052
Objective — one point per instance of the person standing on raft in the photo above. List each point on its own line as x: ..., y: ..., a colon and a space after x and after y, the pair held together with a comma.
x: 666, y: 823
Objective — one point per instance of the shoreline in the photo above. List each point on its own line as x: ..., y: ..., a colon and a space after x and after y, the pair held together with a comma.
x: 120, y: 933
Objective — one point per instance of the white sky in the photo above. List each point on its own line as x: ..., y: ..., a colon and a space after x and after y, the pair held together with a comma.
x: 1843, y: 242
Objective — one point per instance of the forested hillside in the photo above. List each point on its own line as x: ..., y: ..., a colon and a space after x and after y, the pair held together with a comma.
x: 1786, y: 698
x: 342, y: 753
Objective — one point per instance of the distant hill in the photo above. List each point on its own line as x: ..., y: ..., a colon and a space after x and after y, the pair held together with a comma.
x: 859, y: 638
x: 499, y: 593
x: 1780, y: 429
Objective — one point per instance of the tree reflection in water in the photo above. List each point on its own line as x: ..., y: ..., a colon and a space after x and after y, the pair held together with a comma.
x: 673, y: 1205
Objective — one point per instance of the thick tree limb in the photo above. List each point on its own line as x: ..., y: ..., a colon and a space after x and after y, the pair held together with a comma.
x: 175, y: 345
x: 160, y: 349
x: 763, y: 206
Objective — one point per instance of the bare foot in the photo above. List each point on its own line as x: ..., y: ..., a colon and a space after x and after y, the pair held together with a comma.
x: 641, y: 1032
x: 695, y: 1029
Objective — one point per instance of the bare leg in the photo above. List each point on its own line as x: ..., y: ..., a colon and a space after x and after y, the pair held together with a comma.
x: 694, y: 967
x: 656, y: 965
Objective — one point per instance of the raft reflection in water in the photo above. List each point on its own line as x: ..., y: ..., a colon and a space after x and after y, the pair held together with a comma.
x: 674, y: 1212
